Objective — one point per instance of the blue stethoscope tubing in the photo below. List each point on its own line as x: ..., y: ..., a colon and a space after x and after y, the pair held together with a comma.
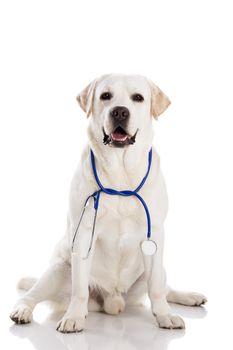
x: 110, y: 191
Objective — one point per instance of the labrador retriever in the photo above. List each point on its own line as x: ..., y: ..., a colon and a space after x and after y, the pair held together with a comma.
x: 105, y: 269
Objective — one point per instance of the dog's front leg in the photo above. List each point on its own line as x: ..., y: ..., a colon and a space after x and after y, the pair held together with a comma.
x: 74, y: 318
x: 156, y: 278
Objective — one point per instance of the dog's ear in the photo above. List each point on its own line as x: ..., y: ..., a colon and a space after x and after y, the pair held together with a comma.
x: 86, y: 97
x: 159, y: 101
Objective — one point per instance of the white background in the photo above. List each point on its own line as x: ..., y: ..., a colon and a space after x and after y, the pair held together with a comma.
x: 50, y: 50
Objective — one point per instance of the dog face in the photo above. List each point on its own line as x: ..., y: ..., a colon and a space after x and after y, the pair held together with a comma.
x: 121, y: 107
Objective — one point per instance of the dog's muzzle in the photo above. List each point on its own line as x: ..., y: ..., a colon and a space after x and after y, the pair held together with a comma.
x: 119, y: 137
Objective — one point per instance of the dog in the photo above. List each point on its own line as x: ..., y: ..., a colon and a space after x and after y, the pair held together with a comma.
x: 115, y: 272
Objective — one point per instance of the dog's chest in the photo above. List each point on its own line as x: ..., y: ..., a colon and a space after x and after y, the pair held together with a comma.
x: 117, y: 260
x: 118, y: 207
x: 121, y: 226
x: 117, y: 263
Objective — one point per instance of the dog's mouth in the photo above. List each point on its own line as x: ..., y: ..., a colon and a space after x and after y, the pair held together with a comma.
x: 119, y: 138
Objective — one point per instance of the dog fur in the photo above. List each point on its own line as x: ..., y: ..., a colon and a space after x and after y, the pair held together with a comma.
x: 116, y: 272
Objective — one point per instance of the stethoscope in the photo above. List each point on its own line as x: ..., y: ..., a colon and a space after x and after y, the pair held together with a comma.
x: 148, y: 246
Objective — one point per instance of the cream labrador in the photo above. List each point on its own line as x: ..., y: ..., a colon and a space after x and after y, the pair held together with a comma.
x: 106, y: 269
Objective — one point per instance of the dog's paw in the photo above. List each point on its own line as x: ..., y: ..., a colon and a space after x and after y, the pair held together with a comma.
x: 170, y: 321
x: 22, y: 314
x: 114, y: 305
x: 195, y: 299
x: 68, y: 325
x: 186, y: 298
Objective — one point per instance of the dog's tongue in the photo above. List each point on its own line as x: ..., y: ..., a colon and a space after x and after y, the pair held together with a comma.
x: 117, y: 136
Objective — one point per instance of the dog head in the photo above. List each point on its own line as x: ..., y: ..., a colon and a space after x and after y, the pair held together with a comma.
x: 121, y: 108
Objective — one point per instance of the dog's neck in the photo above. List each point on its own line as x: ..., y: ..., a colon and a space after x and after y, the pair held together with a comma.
x: 122, y: 165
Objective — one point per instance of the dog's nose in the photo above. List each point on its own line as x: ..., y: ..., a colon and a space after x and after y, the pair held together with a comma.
x: 120, y: 113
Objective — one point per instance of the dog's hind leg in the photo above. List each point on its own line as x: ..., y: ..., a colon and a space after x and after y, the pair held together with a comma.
x: 45, y: 288
x: 26, y: 283
x: 185, y: 298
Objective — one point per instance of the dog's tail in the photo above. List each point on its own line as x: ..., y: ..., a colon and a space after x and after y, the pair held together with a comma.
x: 26, y: 283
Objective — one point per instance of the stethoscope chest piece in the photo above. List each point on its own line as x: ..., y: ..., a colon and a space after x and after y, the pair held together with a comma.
x: 149, y: 247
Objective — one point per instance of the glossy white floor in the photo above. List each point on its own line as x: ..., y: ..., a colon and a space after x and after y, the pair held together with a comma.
x: 206, y: 327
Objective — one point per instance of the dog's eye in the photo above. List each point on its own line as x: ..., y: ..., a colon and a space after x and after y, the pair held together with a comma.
x: 137, y: 97
x: 106, y: 96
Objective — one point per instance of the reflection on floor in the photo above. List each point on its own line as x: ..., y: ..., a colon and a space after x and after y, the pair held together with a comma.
x: 134, y: 329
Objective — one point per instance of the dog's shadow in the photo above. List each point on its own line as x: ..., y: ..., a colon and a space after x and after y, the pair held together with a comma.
x: 134, y: 329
